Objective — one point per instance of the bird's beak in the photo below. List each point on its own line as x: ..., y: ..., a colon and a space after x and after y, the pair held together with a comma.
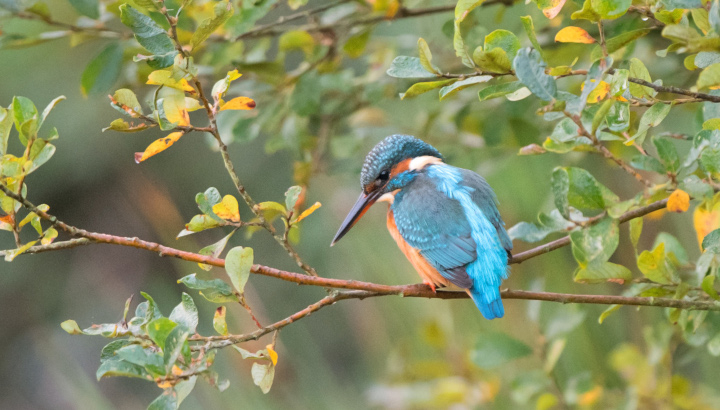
x: 358, y: 210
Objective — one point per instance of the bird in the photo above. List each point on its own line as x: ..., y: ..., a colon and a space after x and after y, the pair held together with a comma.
x: 444, y: 219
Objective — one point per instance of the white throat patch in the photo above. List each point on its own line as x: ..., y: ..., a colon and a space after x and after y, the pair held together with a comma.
x: 419, y: 163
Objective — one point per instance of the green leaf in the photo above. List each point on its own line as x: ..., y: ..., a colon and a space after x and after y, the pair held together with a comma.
x: 185, y: 314
x: 581, y: 189
x: 560, y: 183
x: 127, y: 98
x: 110, y: 349
x: 495, y: 60
x: 499, y: 90
x: 199, y: 223
x: 214, y: 290
x: 594, y: 245
x: 601, y: 114
x: 408, y: 67
x: 616, y: 43
x: 425, y: 56
x: 238, y: 263
x: 150, y: 35
x: 709, y: 77
x: 607, y: 312
x: 166, y: 401
x: 586, y: 13
x: 611, y: 9
x: 6, y: 122
x: 214, y: 250
x: 638, y: 70
x: 651, y: 118
x: 654, y: 265
x: 355, y: 46
x: 421, y: 88
x: 89, y: 8
x: 71, y: 327
x: 708, y: 283
x: 223, y: 11
x: 117, y: 367
x: 503, y: 39
x: 602, y: 272
x: 529, y: 27
x: 547, y: 224
x: 714, y: 16
x: 636, y: 226
x: 206, y: 200
x: 462, y: 9
x: 711, y: 242
x: 26, y: 118
x: 174, y: 343
x: 159, y: 329
x: 219, y: 322
x: 143, y: 357
x: 494, y: 349
x: 462, y: 84
x: 668, y: 153
x: 103, y: 70
x: 291, y: 196
x: 262, y: 375
x: 530, y: 70
x: 123, y: 126
x: 297, y: 40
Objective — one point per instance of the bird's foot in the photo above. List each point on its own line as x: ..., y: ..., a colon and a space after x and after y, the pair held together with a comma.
x: 431, y: 285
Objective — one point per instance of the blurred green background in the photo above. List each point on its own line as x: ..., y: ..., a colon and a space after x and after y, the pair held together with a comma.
x: 384, y: 352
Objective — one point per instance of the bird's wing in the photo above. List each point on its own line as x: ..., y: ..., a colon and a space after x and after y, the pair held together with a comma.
x: 436, y: 226
x: 484, y: 197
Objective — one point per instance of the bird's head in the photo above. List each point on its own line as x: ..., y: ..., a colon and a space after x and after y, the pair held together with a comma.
x: 388, y: 167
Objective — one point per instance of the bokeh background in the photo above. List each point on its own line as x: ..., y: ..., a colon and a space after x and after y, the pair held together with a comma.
x: 383, y: 352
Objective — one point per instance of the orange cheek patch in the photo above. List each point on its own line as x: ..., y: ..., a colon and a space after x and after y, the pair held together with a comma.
x: 401, y: 167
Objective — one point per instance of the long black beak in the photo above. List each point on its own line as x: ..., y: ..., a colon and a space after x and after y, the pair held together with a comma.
x: 358, y: 210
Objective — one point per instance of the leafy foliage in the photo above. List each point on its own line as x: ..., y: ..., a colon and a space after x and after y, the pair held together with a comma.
x: 591, y: 86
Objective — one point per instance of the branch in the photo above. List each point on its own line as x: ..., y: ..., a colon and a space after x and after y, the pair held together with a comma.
x: 270, y: 31
x: 98, y: 30
x: 422, y: 291
x: 258, y: 31
x: 370, y: 289
x: 605, y: 152
x: 211, y: 110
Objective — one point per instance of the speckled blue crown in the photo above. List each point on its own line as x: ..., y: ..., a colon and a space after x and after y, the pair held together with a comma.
x: 391, y: 151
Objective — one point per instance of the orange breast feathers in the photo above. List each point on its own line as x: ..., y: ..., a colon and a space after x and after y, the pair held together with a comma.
x: 427, y: 272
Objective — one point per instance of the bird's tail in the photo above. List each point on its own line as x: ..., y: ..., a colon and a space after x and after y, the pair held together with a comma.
x: 491, y: 310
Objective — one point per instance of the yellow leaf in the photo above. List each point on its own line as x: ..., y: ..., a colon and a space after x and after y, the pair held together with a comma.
x: 273, y: 354
x: 552, y: 11
x: 309, y: 211
x: 706, y: 217
x: 175, y: 112
x: 591, y: 396
x: 227, y: 209
x: 238, y: 103
x: 599, y: 92
x: 165, y: 77
x: 679, y: 201
x: 158, y: 146
x: 573, y: 34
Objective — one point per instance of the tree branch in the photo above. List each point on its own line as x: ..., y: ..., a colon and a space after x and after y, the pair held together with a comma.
x: 270, y: 30
x: 367, y: 289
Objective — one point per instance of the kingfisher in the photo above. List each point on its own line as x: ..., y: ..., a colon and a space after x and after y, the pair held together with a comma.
x: 443, y: 218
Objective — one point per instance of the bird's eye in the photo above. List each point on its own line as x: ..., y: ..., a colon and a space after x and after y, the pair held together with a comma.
x: 383, y: 176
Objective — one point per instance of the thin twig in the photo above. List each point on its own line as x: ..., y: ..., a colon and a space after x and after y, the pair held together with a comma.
x: 605, y: 152
x: 603, y: 46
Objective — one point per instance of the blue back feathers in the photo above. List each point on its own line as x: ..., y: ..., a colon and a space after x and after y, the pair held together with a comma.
x: 391, y: 151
